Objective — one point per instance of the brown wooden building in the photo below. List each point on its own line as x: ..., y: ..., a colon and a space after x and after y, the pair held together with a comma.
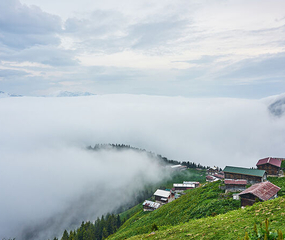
x: 271, y: 165
x: 235, y: 185
x: 251, y: 175
x: 258, y: 192
x: 150, y: 206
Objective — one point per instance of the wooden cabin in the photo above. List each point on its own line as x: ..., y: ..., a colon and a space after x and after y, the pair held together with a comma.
x: 212, y: 170
x: 251, y: 175
x: 163, y: 196
x: 235, y: 185
x: 271, y: 165
x: 262, y: 191
x: 179, y: 187
x: 150, y: 206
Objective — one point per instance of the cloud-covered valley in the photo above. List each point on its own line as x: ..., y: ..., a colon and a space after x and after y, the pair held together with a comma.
x: 49, y: 181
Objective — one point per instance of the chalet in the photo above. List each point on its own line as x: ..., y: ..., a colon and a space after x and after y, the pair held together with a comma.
x: 210, y: 178
x: 178, y: 187
x: 150, y: 206
x: 262, y: 191
x: 197, y: 184
x: 212, y: 170
x: 235, y: 185
x: 271, y: 165
x: 219, y: 176
x: 251, y: 175
x: 178, y: 167
x: 163, y: 196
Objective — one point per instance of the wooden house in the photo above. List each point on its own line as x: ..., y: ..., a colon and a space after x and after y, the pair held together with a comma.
x: 271, y: 165
x: 179, y: 187
x: 197, y: 184
x: 251, y: 175
x: 235, y: 185
x: 163, y: 196
x: 262, y: 191
x: 150, y: 206
x: 212, y: 170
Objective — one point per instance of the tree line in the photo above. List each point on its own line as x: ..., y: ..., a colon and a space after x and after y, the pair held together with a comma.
x: 99, y: 230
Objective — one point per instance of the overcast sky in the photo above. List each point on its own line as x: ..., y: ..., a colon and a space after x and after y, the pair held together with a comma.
x: 190, y: 48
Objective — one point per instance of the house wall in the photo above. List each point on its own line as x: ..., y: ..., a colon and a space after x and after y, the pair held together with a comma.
x: 235, y: 188
x: 270, y: 169
x: 247, y: 199
x: 250, y: 179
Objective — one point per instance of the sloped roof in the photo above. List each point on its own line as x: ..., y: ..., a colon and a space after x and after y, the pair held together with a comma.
x: 219, y: 175
x: 151, y: 204
x: 263, y: 190
x: 162, y: 193
x: 235, y: 181
x: 273, y: 161
x: 187, y: 185
x: 244, y: 171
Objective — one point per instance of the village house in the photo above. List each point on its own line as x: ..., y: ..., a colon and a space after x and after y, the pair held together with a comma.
x: 235, y: 185
x: 150, y: 206
x: 262, y: 191
x: 178, y: 167
x: 197, y: 184
x: 210, y: 178
x: 179, y: 187
x: 212, y: 170
x: 251, y: 175
x: 163, y: 196
x: 271, y: 165
x: 220, y: 176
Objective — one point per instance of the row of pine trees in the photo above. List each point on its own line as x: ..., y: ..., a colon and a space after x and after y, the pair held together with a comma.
x: 98, y: 230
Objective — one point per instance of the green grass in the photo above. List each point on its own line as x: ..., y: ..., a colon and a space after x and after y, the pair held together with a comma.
x: 231, y: 225
x: 197, y: 203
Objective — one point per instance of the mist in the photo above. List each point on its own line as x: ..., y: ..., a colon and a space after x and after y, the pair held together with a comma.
x: 50, y: 182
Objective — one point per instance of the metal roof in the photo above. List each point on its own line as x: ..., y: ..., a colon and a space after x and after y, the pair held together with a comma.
x: 219, y: 175
x: 235, y: 181
x: 151, y: 204
x: 244, y: 171
x: 263, y: 190
x: 187, y: 182
x: 191, y: 185
x: 273, y: 161
x: 162, y: 193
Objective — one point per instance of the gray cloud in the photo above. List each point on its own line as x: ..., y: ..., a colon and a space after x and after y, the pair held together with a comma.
x: 22, y: 26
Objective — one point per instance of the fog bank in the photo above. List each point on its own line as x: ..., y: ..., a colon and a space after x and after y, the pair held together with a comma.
x: 47, y: 177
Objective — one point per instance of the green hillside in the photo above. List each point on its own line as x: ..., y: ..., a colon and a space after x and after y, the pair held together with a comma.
x: 204, y: 201
x: 231, y: 225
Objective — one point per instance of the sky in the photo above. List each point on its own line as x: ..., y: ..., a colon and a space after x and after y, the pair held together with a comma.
x: 217, y: 48
x: 50, y: 182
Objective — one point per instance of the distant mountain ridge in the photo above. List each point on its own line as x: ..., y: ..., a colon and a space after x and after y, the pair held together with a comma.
x: 5, y: 94
x: 72, y: 94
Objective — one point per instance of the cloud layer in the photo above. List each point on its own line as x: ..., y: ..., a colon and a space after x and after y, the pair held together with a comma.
x: 181, y: 48
x: 47, y: 177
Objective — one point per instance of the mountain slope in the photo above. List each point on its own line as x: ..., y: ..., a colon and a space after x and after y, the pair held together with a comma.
x: 204, y: 201
x: 231, y: 225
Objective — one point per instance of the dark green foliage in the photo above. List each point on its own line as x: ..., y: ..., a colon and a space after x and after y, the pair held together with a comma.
x: 264, y: 232
x: 100, y: 229
x: 154, y: 227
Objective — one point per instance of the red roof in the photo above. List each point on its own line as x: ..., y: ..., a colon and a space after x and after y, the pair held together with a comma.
x: 273, y: 161
x: 235, y: 182
x: 263, y: 190
x: 219, y: 175
x: 209, y: 177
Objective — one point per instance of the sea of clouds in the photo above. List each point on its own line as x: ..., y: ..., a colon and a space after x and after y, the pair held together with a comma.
x: 49, y: 181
